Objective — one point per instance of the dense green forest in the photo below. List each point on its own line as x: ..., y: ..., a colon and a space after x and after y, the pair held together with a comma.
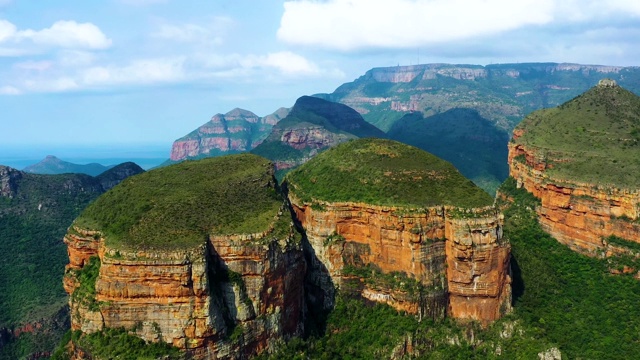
x: 33, y: 221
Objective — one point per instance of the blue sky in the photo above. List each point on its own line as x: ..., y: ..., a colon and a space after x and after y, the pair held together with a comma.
x: 150, y: 71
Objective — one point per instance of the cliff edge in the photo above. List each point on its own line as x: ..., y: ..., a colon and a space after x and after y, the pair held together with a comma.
x: 397, y: 225
x: 580, y: 160
x: 201, y: 255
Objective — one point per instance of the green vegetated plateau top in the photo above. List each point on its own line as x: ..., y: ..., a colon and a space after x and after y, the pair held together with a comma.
x: 594, y: 138
x: 178, y: 206
x: 384, y: 172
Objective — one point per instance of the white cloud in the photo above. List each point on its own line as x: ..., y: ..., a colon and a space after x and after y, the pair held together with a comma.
x: 7, y: 30
x: 62, y: 34
x: 138, y: 72
x: 355, y: 24
x: 9, y: 90
x: 286, y: 62
x: 68, y: 34
x: 31, y: 65
x: 348, y: 25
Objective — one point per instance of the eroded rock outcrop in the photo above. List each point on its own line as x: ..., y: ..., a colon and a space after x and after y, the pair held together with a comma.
x: 8, y: 178
x: 439, y: 265
x: 585, y: 192
x: 230, y: 295
x: 577, y: 214
x: 236, y: 131
x: 430, y: 261
x: 312, y: 126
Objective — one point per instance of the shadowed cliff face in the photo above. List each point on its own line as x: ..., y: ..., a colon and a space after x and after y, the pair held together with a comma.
x: 8, y: 178
x: 424, y: 262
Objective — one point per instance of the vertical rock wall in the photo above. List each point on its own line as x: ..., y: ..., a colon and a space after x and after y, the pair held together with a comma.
x: 461, y: 265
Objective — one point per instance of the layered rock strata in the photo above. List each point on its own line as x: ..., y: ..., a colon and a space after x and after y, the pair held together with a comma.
x: 458, y: 266
x: 577, y: 214
x: 234, y: 296
x: 236, y: 131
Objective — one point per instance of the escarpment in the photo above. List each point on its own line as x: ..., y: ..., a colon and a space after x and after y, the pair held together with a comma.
x: 212, y: 257
x: 580, y: 160
x: 212, y: 266
x: 397, y: 225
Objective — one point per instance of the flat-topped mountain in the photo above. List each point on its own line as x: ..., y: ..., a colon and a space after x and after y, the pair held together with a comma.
x: 581, y: 160
x: 374, y: 209
x: 53, y: 165
x: 234, y: 132
x: 211, y: 256
x: 502, y: 93
x: 201, y: 255
x: 312, y: 126
x: 385, y: 172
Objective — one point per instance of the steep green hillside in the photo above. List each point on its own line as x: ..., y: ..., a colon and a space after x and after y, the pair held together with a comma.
x: 35, y: 212
x: 179, y: 205
x: 461, y: 136
x: 594, y: 138
x: 384, y: 172
x: 312, y: 126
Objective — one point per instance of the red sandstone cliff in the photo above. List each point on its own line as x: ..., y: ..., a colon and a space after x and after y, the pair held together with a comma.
x: 462, y: 265
x: 194, y: 298
x: 579, y: 215
x: 236, y: 131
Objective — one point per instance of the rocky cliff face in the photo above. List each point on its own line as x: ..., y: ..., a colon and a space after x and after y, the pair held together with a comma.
x: 236, y: 131
x: 8, y: 178
x: 234, y: 296
x: 218, y: 294
x: 422, y: 261
x: 578, y: 214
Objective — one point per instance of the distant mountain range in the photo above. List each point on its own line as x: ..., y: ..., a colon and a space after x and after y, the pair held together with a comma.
x: 51, y: 165
x: 462, y: 113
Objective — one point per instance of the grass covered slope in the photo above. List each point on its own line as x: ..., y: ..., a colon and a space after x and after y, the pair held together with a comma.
x: 177, y: 206
x: 594, y: 138
x: 384, y: 172
x: 463, y: 137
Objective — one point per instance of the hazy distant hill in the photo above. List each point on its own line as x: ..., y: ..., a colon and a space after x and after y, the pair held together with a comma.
x: 35, y: 212
x: 312, y: 126
x: 502, y: 93
x: 51, y: 165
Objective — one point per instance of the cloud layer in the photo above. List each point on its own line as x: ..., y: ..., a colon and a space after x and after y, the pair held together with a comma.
x: 64, y: 34
x: 351, y: 25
